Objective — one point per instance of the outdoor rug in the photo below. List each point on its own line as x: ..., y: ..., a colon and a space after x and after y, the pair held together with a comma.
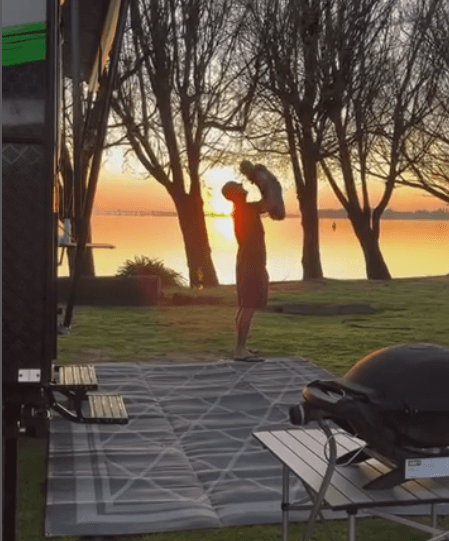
x: 186, y: 459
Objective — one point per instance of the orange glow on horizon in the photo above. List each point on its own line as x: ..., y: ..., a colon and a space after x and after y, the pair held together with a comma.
x: 119, y: 190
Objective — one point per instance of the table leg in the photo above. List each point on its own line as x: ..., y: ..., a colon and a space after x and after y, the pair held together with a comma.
x: 434, y: 511
x: 351, y: 527
x: 285, y: 501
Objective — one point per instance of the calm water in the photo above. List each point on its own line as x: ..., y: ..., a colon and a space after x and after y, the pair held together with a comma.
x: 410, y: 247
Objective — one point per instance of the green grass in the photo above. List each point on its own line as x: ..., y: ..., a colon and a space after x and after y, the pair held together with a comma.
x: 406, y: 310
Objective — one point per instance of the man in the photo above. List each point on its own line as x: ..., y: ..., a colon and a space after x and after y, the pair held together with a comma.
x: 252, y: 276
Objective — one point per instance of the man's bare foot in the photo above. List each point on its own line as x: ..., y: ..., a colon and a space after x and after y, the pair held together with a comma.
x: 241, y: 353
x: 247, y: 355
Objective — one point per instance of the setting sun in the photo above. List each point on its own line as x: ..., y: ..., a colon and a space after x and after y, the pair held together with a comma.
x: 215, y: 180
x: 218, y: 204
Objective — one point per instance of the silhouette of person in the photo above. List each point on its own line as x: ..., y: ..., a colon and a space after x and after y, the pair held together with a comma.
x: 251, y: 272
x: 334, y: 226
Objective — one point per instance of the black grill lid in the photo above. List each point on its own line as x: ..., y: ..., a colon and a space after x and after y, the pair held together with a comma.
x: 410, y: 376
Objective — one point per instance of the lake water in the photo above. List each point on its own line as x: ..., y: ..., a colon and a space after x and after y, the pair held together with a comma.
x: 410, y: 247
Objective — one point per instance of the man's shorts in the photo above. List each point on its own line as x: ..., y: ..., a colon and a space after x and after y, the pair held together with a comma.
x: 252, y: 286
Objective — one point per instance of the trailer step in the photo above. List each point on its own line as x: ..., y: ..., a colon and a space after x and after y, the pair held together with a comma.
x: 77, y: 377
x: 107, y: 409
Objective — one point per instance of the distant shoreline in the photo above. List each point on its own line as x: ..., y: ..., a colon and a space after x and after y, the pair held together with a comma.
x: 335, y: 214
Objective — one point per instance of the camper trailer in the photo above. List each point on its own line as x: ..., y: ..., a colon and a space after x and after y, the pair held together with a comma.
x: 50, y: 170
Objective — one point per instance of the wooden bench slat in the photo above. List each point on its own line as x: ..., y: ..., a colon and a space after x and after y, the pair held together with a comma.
x: 106, y: 403
x: 78, y: 376
x: 118, y: 407
x: 67, y: 373
x: 107, y: 407
x: 92, y: 375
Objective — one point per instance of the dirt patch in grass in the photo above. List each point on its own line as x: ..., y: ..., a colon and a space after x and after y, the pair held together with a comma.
x: 308, y: 285
x: 321, y: 309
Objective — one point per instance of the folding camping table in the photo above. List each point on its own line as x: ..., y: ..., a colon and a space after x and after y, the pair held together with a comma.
x: 302, y: 452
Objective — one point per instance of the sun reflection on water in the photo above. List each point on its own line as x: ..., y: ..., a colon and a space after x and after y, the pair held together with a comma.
x: 221, y: 231
x: 410, y: 248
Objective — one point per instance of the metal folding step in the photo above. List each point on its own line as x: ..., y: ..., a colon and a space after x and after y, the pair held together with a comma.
x: 75, y: 382
x: 77, y: 377
x: 107, y: 409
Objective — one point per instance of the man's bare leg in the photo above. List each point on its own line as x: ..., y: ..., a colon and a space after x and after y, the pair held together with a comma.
x: 243, y: 320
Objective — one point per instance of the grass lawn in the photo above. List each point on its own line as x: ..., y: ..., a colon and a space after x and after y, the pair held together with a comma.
x: 406, y: 310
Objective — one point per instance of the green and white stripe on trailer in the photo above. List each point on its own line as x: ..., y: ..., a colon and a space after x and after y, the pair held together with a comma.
x: 23, y: 43
x: 23, y: 31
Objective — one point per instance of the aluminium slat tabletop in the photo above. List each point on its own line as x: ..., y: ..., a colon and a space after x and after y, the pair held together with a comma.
x: 302, y: 450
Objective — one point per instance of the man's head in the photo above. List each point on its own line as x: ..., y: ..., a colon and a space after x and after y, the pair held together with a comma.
x: 233, y: 191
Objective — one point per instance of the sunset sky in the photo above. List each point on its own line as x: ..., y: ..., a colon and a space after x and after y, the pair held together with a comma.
x: 341, y: 253
x: 130, y: 191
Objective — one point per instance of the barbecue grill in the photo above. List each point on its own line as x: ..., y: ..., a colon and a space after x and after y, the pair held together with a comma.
x: 395, y: 399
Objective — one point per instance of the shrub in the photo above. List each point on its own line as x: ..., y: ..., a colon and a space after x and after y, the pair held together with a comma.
x: 144, y: 266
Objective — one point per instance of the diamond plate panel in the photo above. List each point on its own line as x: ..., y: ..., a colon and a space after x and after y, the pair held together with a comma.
x: 26, y: 222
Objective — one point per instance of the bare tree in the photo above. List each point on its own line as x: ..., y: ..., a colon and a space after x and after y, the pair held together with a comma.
x: 427, y: 153
x: 72, y: 193
x: 379, y: 90
x: 177, y: 91
x: 287, y: 35
x: 427, y: 157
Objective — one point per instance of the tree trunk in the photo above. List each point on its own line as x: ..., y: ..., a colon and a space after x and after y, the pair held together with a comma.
x: 376, y: 268
x: 87, y: 261
x: 196, y: 242
x: 307, y: 194
x: 311, y: 260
